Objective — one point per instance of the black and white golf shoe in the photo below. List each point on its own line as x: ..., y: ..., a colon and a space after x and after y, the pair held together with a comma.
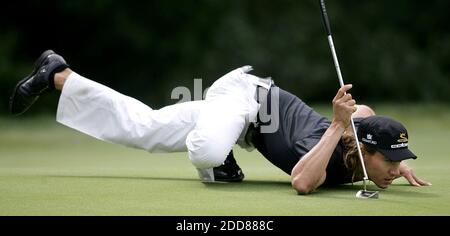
x: 39, y: 82
x: 229, y: 171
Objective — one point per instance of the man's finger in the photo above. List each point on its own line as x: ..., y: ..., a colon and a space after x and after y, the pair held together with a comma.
x: 411, y: 180
x: 351, y: 103
x: 421, y: 182
x: 341, y: 92
x: 344, y: 99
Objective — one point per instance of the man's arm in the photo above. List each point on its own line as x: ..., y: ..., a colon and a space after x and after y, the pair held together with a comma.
x: 310, y: 172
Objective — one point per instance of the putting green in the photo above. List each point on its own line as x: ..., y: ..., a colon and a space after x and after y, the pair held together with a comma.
x: 48, y: 169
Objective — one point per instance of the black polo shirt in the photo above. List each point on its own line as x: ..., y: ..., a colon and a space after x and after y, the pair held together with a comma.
x: 300, y: 129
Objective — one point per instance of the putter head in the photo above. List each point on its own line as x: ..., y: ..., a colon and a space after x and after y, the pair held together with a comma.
x: 367, y: 194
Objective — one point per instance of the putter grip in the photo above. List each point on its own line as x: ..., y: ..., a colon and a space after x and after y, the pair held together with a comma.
x: 326, y: 22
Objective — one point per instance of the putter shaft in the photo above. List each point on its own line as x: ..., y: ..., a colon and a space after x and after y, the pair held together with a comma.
x: 341, y: 82
x: 326, y: 22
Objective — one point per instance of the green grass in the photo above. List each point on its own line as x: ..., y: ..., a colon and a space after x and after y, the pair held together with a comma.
x: 48, y: 169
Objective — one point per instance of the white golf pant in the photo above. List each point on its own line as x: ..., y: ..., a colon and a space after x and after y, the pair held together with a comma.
x: 207, y: 129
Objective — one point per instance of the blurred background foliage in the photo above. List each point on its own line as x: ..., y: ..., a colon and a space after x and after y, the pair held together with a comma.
x: 392, y: 51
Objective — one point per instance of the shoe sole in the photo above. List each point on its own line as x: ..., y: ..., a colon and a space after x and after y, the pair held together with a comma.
x: 236, y: 180
x: 38, y: 62
x: 231, y: 180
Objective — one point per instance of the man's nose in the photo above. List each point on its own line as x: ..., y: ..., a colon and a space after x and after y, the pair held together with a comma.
x: 394, y: 170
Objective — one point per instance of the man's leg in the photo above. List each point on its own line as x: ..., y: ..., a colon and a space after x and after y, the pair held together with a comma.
x: 162, y: 130
x: 108, y: 115
x: 60, y: 78
x: 103, y: 113
x: 229, y: 103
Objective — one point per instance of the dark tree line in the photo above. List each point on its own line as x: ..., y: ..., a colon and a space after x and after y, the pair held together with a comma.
x: 395, y: 51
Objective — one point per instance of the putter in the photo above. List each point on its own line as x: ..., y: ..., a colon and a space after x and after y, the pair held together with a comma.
x: 364, y: 193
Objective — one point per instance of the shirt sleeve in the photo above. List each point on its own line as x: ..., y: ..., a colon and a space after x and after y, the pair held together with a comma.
x: 305, y: 145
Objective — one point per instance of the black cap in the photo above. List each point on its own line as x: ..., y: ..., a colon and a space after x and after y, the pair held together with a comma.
x: 387, y: 136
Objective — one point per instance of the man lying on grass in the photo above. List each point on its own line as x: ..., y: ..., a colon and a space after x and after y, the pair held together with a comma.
x: 239, y: 108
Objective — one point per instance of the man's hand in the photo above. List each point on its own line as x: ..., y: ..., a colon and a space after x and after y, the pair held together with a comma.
x: 343, y: 106
x: 409, y: 175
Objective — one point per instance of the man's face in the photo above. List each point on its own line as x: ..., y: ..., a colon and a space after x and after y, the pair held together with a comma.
x: 381, y: 170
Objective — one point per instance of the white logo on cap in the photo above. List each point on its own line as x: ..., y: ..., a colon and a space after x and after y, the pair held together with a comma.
x: 399, y: 145
x: 368, y: 139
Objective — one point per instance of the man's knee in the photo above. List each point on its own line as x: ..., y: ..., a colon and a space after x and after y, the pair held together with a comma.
x: 206, y: 152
